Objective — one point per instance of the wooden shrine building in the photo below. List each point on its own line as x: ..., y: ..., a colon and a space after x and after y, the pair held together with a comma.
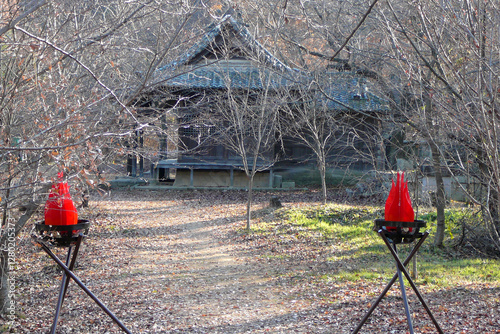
x: 187, y: 93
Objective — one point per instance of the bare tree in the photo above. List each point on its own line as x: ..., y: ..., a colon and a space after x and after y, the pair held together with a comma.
x: 447, y: 60
x: 66, y: 73
x: 248, y: 123
x: 311, y: 120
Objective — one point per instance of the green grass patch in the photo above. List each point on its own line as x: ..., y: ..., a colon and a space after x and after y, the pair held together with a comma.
x: 443, y: 272
x: 359, y: 275
x: 453, y: 220
x: 339, y: 220
x: 263, y: 228
x: 361, y: 254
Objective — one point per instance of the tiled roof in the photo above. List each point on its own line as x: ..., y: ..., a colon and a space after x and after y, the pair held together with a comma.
x: 214, y: 76
x: 338, y: 90
x: 218, y: 77
x: 241, y: 32
x: 344, y: 90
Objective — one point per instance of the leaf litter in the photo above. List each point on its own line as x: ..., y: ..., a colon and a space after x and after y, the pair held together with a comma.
x: 178, y: 262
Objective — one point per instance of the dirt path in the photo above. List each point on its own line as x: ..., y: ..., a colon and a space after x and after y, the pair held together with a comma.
x: 159, y: 262
x: 224, y: 292
x: 211, y: 285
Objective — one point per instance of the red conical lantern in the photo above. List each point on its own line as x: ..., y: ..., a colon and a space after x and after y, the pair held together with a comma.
x: 59, y: 208
x: 398, y: 205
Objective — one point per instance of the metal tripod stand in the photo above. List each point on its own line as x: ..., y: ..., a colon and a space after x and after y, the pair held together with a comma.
x: 65, y: 236
x: 391, y: 239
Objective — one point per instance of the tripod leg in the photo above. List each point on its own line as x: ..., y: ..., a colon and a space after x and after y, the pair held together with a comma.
x: 62, y: 291
x: 84, y: 288
x: 389, y: 285
x: 403, y: 294
x: 72, y: 264
x: 413, y: 286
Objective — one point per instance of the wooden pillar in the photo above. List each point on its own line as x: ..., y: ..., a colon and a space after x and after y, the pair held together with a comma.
x: 133, y: 172
x: 231, y: 177
x: 140, y: 137
x: 163, y: 137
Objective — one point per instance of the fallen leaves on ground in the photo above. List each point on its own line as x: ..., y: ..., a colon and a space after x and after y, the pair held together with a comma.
x: 178, y: 262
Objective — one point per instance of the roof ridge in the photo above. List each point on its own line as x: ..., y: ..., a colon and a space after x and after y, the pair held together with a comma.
x: 241, y: 32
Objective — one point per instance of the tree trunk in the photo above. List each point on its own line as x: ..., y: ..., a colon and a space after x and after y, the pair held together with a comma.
x: 5, y: 302
x: 431, y: 137
x: 440, y: 196
x: 322, y: 172
x: 436, y: 162
x: 249, y: 200
x: 491, y: 207
x: 7, y: 245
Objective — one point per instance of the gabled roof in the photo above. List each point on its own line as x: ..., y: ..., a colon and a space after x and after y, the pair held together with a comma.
x: 247, y: 64
x: 250, y: 65
x: 218, y: 33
